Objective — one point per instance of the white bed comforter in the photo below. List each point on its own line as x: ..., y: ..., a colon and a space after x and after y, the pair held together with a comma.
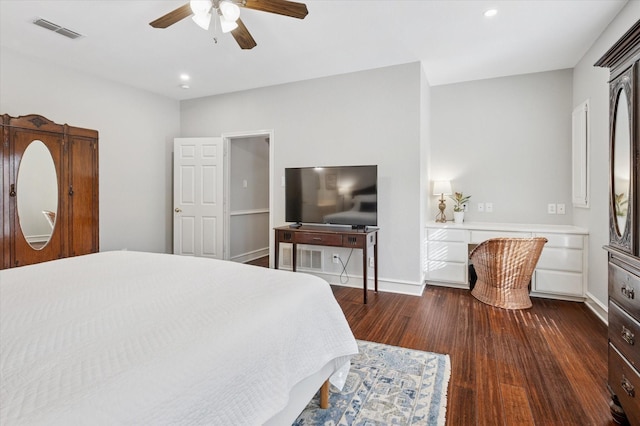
x: 141, y: 338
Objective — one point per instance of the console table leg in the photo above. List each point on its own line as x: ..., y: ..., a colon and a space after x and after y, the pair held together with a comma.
x: 364, y: 271
x: 294, y: 255
x: 375, y: 264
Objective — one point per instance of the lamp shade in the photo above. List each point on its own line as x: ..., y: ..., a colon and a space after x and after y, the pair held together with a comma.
x: 441, y: 187
x: 203, y: 21
x: 229, y: 10
x: 200, y: 7
x: 226, y: 25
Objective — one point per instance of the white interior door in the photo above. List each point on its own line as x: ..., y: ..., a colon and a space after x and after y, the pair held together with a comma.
x: 198, y: 197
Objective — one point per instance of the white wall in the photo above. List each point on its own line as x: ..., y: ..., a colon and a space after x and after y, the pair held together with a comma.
x: 506, y: 141
x: 591, y: 83
x: 425, y: 162
x: 136, y: 131
x: 369, y: 117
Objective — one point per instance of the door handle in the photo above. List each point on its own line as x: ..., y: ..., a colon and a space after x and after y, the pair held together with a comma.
x: 178, y: 210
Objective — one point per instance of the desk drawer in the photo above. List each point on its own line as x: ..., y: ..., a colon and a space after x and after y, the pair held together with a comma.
x: 448, y: 252
x: 624, y: 333
x: 624, y: 288
x: 319, y: 239
x: 479, y: 236
x: 560, y: 259
x: 625, y: 383
x: 445, y: 234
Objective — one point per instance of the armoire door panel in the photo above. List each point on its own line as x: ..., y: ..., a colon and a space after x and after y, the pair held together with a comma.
x: 82, y: 193
x: 4, y: 208
x: 22, y: 251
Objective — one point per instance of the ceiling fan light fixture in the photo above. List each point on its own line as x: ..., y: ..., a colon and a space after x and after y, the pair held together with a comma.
x: 200, y: 7
x: 229, y: 10
x: 226, y: 25
x: 203, y: 21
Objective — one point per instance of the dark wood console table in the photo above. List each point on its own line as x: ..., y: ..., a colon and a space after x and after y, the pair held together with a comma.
x: 331, y: 236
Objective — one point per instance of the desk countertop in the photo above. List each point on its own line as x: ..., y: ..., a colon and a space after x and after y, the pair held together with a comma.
x: 515, y: 227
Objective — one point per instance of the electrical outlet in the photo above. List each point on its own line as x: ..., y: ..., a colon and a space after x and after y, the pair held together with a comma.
x: 480, y: 207
x: 551, y: 208
x: 336, y: 258
x: 561, y: 209
x: 488, y: 207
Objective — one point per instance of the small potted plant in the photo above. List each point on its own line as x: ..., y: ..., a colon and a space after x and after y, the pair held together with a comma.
x: 458, y: 209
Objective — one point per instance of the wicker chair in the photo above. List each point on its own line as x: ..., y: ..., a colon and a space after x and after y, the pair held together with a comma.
x: 504, y: 267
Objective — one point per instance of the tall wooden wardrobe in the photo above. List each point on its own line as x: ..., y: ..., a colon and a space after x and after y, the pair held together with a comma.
x: 49, y: 191
x: 623, y: 249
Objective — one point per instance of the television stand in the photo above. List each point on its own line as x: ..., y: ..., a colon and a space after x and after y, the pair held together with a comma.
x: 331, y: 236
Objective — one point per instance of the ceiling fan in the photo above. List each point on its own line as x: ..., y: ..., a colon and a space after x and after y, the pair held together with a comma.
x: 228, y: 12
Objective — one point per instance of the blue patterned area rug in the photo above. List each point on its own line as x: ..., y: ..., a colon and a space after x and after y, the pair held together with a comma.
x: 387, y: 385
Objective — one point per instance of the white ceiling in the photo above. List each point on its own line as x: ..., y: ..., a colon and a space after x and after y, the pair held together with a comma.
x: 452, y: 38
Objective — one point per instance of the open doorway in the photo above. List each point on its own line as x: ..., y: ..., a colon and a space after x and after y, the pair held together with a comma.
x: 248, y: 195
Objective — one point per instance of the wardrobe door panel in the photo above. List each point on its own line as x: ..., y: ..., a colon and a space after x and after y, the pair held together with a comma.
x: 28, y: 242
x: 83, y: 196
x: 4, y: 208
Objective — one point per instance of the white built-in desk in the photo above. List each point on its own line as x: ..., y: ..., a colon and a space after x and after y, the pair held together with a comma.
x: 560, y: 273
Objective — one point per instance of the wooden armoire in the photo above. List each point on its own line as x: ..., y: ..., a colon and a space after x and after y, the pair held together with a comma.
x: 49, y: 191
x: 623, y: 249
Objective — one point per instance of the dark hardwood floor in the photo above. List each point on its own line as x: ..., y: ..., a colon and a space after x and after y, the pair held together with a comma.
x: 542, y: 366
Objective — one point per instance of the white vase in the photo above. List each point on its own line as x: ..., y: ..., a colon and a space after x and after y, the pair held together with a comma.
x: 458, y: 217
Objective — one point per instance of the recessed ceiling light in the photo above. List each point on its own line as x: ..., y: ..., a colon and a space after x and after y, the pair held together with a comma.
x: 490, y: 13
x: 184, y: 77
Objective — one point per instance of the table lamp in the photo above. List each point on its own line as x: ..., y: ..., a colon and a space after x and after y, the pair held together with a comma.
x: 441, y: 188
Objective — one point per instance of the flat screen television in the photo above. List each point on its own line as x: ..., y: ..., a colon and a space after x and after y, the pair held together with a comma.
x: 340, y: 195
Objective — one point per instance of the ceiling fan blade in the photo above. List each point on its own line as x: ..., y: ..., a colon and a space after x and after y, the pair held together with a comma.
x: 172, y: 17
x: 280, y: 7
x: 243, y: 36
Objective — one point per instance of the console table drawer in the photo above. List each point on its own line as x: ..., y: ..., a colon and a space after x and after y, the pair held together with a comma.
x: 625, y: 383
x: 624, y: 333
x: 624, y: 288
x: 320, y: 239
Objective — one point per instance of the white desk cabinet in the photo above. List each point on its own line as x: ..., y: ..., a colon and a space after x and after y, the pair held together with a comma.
x: 560, y: 273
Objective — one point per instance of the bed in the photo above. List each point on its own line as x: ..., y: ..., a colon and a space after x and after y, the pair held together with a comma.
x: 141, y: 338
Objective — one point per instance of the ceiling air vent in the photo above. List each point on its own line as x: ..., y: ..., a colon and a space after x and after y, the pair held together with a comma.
x: 56, y: 28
